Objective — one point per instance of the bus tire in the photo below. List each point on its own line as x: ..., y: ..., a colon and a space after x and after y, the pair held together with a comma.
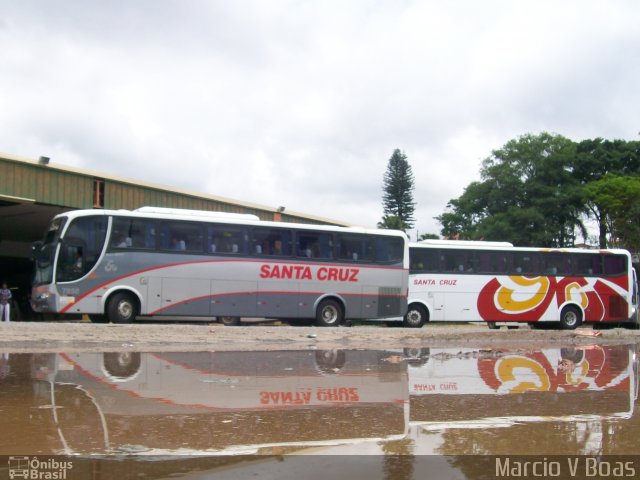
x: 121, y: 365
x: 122, y: 308
x: 330, y: 361
x: 416, y: 356
x: 229, y: 321
x: 570, y: 318
x: 329, y: 313
x: 415, y: 317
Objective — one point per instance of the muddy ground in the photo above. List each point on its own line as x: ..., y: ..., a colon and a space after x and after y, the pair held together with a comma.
x: 84, y: 336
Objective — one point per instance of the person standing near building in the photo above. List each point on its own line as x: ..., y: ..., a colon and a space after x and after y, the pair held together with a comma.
x: 5, y: 303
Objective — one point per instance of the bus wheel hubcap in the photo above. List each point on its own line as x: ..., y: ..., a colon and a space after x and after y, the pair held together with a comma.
x: 124, y: 309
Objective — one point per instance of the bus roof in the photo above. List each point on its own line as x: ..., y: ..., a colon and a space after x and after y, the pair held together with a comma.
x: 466, y: 243
x: 196, y: 213
x: 481, y: 245
x: 225, y: 217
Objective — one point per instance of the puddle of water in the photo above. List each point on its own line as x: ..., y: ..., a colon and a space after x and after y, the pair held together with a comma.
x: 202, y: 411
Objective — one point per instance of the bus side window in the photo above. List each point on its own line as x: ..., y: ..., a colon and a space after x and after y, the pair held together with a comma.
x: 492, y: 262
x: 587, y: 263
x: 314, y: 245
x: 389, y: 250
x: 226, y: 239
x: 615, y: 264
x: 525, y: 263
x: 273, y: 242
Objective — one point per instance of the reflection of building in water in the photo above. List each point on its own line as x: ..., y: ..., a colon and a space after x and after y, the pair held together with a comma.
x: 563, y: 393
x: 223, y: 402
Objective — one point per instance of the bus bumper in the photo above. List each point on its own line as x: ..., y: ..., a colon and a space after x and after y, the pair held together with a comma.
x: 43, y: 300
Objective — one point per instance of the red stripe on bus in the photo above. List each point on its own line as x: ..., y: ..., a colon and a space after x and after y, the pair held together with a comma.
x: 172, y: 265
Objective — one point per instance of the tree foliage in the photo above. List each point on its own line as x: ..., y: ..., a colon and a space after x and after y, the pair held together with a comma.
x: 398, y: 189
x: 541, y: 189
x: 596, y: 159
x: 527, y: 195
x: 618, y: 202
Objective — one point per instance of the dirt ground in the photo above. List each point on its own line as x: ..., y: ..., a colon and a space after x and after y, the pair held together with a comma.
x: 155, y: 337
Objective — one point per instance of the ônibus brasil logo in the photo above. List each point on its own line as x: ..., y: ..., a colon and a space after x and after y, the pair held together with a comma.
x: 37, y: 469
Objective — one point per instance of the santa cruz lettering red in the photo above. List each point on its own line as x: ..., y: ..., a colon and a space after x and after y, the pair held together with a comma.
x: 304, y: 272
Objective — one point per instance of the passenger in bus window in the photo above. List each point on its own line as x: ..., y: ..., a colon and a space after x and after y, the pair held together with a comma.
x: 120, y: 242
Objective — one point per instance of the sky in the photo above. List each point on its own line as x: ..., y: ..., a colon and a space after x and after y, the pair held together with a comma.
x: 301, y: 103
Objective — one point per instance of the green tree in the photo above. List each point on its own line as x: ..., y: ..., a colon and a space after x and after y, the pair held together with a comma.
x: 618, y: 201
x: 429, y: 236
x: 596, y: 158
x: 392, y: 222
x: 527, y: 196
x: 397, y: 198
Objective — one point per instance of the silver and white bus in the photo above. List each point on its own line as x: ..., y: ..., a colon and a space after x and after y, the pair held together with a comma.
x: 118, y: 265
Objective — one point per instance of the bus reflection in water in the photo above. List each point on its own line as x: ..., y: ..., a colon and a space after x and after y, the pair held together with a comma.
x: 470, y: 389
x: 227, y: 403
x: 222, y: 402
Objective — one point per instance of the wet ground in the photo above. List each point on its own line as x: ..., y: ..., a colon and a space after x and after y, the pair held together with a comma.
x: 418, y: 411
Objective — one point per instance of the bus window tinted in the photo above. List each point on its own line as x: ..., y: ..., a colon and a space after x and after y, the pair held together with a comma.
x: 133, y: 233
x: 458, y: 261
x: 423, y: 260
x: 525, y: 263
x: 389, y: 250
x: 587, y: 264
x: 356, y: 247
x: 492, y: 262
x: 555, y: 264
x: 271, y: 241
x: 182, y: 236
x: 314, y: 245
x: 227, y: 239
x: 81, y: 247
x: 615, y: 264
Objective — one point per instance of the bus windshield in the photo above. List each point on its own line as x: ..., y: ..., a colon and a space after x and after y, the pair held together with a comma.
x: 45, y: 252
x: 81, y: 247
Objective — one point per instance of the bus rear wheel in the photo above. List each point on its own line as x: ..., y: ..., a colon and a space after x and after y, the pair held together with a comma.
x: 229, y: 321
x: 122, y: 365
x: 415, y: 317
x: 329, y: 314
x: 122, y: 308
x: 570, y: 318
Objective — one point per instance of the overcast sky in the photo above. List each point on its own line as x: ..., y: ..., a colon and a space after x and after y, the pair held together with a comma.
x: 301, y: 103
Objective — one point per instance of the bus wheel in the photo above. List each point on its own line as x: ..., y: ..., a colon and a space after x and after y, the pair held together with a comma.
x: 570, y: 318
x: 493, y: 326
x: 229, y: 321
x: 330, y: 361
x: 329, y: 314
x: 122, y: 308
x: 415, y: 317
x: 121, y: 364
x: 416, y: 356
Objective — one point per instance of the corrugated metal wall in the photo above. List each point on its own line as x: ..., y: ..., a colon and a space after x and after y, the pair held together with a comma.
x: 121, y: 195
x: 44, y: 185
x: 52, y: 185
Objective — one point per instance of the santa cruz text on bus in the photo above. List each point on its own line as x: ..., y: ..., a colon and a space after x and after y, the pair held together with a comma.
x: 304, y: 272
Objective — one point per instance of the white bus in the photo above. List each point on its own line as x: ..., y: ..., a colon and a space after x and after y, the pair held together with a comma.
x: 497, y: 282
x: 118, y: 265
